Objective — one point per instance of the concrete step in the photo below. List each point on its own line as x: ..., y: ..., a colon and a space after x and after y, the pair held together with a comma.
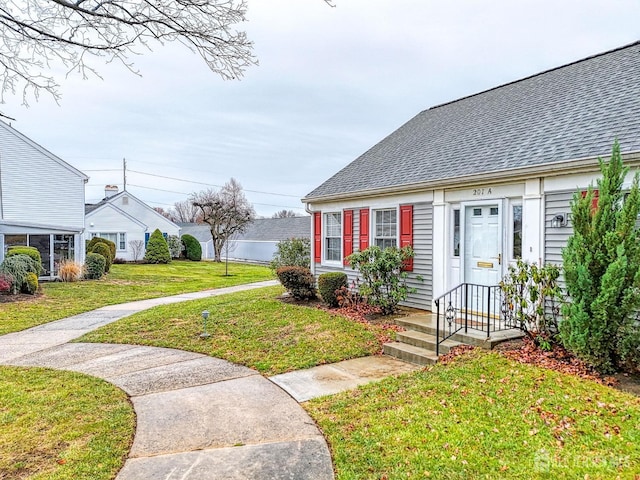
x: 425, y: 340
x: 426, y: 324
x: 410, y: 353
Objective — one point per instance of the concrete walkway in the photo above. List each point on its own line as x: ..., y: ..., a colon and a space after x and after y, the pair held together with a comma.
x: 200, y: 417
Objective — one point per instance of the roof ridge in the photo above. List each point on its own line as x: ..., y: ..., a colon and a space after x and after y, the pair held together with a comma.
x: 637, y: 42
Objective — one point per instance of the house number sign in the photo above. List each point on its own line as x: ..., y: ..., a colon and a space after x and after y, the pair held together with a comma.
x: 478, y: 192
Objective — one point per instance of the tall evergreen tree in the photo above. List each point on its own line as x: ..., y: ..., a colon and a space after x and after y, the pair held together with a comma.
x: 602, y: 269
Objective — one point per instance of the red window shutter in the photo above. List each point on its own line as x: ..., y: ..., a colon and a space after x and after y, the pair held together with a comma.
x: 317, y: 237
x: 364, y: 229
x: 347, y: 236
x: 406, y: 232
x: 594, y: 201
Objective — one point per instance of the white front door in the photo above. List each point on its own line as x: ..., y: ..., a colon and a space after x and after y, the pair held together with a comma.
x: 483, y: 244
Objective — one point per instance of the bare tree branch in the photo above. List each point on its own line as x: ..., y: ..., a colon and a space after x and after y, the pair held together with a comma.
x: 37, y: 36
x: 227, y: 212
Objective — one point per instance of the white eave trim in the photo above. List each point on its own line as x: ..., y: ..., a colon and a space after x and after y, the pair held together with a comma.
x: 521, y: 173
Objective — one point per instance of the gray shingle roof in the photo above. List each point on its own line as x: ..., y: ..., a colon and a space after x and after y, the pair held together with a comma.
x: 567, y: 113
x: 276, y: 229
x: 262, y: 229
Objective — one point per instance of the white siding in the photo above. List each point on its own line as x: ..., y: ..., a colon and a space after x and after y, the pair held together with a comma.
x: 125, y: 213
x: 36, y: 188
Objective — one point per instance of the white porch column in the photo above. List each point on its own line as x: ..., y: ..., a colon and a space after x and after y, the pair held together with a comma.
x: 533, y: 221
x: 440, y: 229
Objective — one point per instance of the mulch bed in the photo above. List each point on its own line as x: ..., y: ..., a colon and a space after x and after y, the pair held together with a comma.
x: 20, y: 297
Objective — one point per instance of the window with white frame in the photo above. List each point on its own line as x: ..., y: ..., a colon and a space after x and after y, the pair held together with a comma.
x: 118, y: 238
x: 516, y: 239
x: 456, y: 232
x: 333, y: 237
x: 385, y: 228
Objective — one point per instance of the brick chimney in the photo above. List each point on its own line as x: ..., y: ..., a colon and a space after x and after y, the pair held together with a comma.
x: 110, y: 190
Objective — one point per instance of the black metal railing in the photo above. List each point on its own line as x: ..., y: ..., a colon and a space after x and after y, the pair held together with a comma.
x: 471, y: 307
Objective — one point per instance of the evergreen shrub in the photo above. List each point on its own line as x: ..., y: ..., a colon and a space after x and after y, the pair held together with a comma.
x: 192, y: 248
x: 602, y: 270
x: 19, y: 266
x: 29, y: 251
x: 298, y: 281
x: 109, y: 243
x: 157, y: 249
x: 329, y: 283
x: 31, y: 284
x: 94, y: 266
x: 102, y: 248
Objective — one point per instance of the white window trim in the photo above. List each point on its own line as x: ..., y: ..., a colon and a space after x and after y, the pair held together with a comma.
x: 117, y: 242
x: 325, y: 261
x: 372, y: 223
x: 510, y: 231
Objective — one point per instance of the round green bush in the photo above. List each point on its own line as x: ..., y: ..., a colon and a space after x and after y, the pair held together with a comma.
x: 192, y: 248
x: 94, y: 266
x: 30, y: 285
x: 328, y: 283
x: 157, y: 249
x: 103, y: 249
x: 298, y: 281
x: 31, y: 252
x: 109, y: 243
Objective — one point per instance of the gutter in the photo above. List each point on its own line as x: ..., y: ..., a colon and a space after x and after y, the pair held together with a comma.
x: 560, y: 168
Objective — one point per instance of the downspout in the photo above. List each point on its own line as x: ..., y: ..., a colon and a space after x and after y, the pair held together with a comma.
x: 313, y: 244
x: 1, y: 196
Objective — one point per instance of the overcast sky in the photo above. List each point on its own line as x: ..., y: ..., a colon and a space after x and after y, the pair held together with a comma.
x: 331, y: 83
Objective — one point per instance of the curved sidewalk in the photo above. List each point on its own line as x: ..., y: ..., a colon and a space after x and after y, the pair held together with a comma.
x: 198, y: 417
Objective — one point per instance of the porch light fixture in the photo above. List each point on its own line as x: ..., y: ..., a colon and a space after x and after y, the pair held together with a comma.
x: 559, y: 220
x: 205, y: 315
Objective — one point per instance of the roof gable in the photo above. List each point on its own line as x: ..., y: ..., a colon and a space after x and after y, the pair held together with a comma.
x: 568, y: 113
x: 42, y: 150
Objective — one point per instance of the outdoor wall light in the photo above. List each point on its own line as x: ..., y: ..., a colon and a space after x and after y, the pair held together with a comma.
x: 559, y: 220
x: 205, y: 315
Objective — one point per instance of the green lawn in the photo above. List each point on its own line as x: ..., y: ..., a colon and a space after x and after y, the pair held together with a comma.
x: 58, y: 425
x: 482, y: 417
x: 250, y: 328
x: 123, y: 284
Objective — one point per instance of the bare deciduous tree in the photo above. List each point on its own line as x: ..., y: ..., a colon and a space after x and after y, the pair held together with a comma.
x: 37, y: 36
x: 227, y: 212
x: 185, y: 212
x: 284, y: 214
x: 137, y: 247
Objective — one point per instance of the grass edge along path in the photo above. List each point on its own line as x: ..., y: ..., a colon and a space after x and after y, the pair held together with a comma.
x: 482, y: 416
x: 60, y: 425
x: 125, y: 283
x: 251, y: 328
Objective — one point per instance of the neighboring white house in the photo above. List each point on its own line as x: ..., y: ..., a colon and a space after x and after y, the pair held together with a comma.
x: 41, y: 201
x: 124, y: 219
x: 258, y: 243
x: 478, y: 182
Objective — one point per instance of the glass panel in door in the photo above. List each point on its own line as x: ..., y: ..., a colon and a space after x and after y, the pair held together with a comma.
x: 62, y: 250
x: 43, y: 244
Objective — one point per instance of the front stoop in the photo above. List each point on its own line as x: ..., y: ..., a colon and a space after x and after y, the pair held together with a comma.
x: 418, y: 343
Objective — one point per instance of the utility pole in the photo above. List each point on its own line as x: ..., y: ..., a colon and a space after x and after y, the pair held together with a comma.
x: 124, y: 173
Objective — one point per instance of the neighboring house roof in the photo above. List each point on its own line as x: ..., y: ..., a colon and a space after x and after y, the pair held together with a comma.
x: 572, y: 112
x: 277, y: 229
x: 110, y: 202
x: 261, y: 229
x: 43, y: 150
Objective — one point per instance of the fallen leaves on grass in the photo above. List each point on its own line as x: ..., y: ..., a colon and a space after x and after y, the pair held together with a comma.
x: 557, y: 359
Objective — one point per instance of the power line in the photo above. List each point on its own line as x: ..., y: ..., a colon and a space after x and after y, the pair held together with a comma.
x: 210, y: 184
x: 182, y: 193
